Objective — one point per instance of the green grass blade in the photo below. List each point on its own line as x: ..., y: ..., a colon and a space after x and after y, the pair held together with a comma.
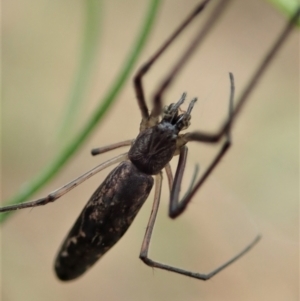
x: 287, y: 7
x: 90, y: 41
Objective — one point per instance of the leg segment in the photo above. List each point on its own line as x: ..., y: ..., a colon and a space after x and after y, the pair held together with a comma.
x: 169, y: 173
x: 53, y: 196
x: 199, y: 38
x: 176, y: 206
x: 149, y: 230
x: 104, y: 149
x: 145, y: 68
x: 155, y: 264
x: 254, y: 79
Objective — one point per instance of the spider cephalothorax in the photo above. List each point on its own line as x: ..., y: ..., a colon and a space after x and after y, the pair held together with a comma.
x: 155, y: 146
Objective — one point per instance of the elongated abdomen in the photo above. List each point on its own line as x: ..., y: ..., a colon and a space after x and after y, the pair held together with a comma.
x: 104, y: 220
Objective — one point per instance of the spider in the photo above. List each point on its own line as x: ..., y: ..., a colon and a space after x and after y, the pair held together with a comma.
x: 114, y: 205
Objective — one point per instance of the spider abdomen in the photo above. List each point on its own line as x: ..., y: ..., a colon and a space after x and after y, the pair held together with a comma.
x: 104, y: 220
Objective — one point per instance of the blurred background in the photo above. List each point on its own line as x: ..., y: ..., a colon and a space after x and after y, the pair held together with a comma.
x: 254, y: 190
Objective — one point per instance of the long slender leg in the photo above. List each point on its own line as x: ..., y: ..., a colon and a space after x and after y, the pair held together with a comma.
x: 176, y: 206
x: 254, y: 79
x: 145, y: 67
x: 155, y: 264
x: 53, y: 196
x: 107, y: 148
x: 149, y: 230
x: 196, y: 171
x: 170, y: 177
x: 169, y: 173
x: 199, y: 38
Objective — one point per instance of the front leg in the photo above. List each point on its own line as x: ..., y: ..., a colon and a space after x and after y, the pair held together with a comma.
x: 177, y: 207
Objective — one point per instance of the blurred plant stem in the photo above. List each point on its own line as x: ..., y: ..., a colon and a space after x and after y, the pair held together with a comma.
x: 82, y: 77
x: 287, y: 7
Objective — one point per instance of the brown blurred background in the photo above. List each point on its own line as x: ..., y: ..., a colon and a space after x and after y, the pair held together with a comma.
x: 255, y: 188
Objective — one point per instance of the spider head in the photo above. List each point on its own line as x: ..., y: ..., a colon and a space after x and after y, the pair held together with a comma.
x: 155, y: 146
x: 174, y: 115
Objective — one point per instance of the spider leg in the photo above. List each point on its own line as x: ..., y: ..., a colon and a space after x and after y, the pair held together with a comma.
x: 147, y: 239
x: 107, y: 148
x: 138, y: 86
x: 199, y: 38
x: 169, y: 173
x: 176, y: 206
x: 53, y: 196
x: 254, y: 79
x: 150, y: 226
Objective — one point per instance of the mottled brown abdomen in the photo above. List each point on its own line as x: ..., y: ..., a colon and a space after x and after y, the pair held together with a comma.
x: 104, y: 220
